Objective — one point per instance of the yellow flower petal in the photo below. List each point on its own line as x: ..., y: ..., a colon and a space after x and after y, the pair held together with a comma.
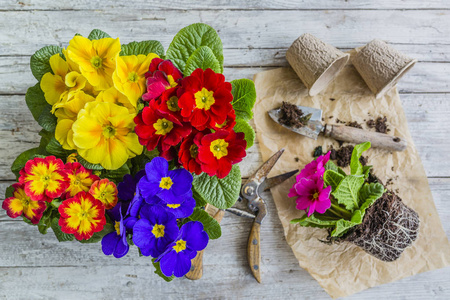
x: 53, y: 87
x: 112, y: 95
x: 87, y: 132
x: 63, y: 128
x: 59, y: 65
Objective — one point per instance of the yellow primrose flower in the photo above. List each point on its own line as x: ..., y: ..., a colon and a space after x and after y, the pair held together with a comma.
x: 103, y: 134
x: 58, y: 86
x: 129, y: 76
x: 67, y: 115
x: 114, y: 96
x: 96, y: 59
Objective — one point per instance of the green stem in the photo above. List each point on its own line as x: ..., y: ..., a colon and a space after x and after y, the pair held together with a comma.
x: 339, y: 211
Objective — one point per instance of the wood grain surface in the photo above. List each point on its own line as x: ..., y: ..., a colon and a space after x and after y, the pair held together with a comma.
x: 255, y: 35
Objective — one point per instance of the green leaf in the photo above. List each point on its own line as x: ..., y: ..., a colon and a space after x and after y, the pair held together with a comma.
x: 355, y: 166
x: 191, y: 38
x: 331, y: 166
x: 47, y: 120
x: 40, y: 63
x: 199, y: 201
x: 46, y: 220
x: 144, y: 47
x: 98, y: 236
x: 342, y: 226
x: 88, y: 165
x: 22, y: 159
x: 55, y: 148
x: 202, y: 58
x: 35, y: 100
x: 244, y: 97
x: 97, y: 34
x: 314, y: 221
x: 347, y: 191
x: 243, y: 126
x: 210, y: 225
x: 116, y: 175
x: 366, y: 171
x: 332, y: 178
x: 369, y: 193
x: 9, y: 192
x: 61, y: 236
x: 221, y: 193
x: 160, y: 273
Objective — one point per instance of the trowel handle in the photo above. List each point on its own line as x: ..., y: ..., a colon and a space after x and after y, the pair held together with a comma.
x: 357, y: 136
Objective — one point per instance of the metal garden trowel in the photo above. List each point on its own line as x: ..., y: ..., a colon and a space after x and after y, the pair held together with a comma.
x: 340, y: 132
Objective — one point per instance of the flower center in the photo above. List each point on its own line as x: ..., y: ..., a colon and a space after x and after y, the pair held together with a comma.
x: 172, y: 82
x: 173, y: 206
x: 117, y: 227
x: 25, y: 201
x: 163, y: 126
x: 219, y: 148
x: 180, y: 245
x: 193, y: 150
x: 96, y: 62
x: 158, y: 230
x: 172, y: 103
x: 315, y: 195
x: 109, y: 131
x: 166, y: 183
x: 133, y: 77
x: 204, y: 99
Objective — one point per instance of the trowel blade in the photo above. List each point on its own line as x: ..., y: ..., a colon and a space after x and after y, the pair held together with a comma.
x: 311, y: 130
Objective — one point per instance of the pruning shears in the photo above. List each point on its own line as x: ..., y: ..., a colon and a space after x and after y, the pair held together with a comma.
x: 250, y: 196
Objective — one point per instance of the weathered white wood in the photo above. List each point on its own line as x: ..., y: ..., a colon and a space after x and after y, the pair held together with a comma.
x: 30, y: 30
x: 424, y: 77
x: 221, y: 4
x: 426, y: 115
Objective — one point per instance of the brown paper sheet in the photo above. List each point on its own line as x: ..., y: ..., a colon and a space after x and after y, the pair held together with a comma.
x: 345, y: 269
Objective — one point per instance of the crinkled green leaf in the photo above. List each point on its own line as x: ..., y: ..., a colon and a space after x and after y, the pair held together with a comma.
x: 88, y: 165
x: 314, y: 221
x: 243, y: 126
x: 366, y: 171
x: 244, y: 97
x: 342, y: 226
x: 46, y: 220
x: 61, y: 236
x: 40, y: 61
x: 144, y: 47
x: 55, y: 148
x: 116, y: 175
x: 347, y: 192
x: 97, y: 34
x: 98, y: 236
x: 332, y: 178
x: 221, y: 193
x: 35, y: 100
x: 210, y: 225
x: 356, y: 167
x: 202, y: 58
x: 199, y: 201
x: 191, y: 38
x: 22, y: 159
x: 331, y: 166
x: 47, y: 120
x: 9, y: 192
x: 160, y: 273
x: 369, y: 193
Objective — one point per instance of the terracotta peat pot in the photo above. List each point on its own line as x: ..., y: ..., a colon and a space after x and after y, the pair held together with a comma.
x: 388, y: 228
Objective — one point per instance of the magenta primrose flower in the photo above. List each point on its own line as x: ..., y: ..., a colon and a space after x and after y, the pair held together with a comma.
x: 316, y: 167
x: 311, y: 196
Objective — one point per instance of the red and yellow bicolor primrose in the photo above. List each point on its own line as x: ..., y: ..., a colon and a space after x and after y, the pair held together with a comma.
x: 82, y: 215
x: 80, y: 179
x: 20, y: 204
x: 44, y: 178
x: 105, y: 191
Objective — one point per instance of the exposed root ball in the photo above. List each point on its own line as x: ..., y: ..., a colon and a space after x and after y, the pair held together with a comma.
x: 388, y: 228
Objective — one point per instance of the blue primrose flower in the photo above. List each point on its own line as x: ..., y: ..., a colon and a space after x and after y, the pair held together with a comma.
x: 182, y: 210
x: 177, y: 258
x: 155, y: 230
x: 116, y: 242
x: 127, y: 188
x: 168, y: 185
x: 132, y: 214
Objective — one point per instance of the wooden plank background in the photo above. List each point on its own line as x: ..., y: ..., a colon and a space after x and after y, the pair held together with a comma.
x: 255, y: 36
